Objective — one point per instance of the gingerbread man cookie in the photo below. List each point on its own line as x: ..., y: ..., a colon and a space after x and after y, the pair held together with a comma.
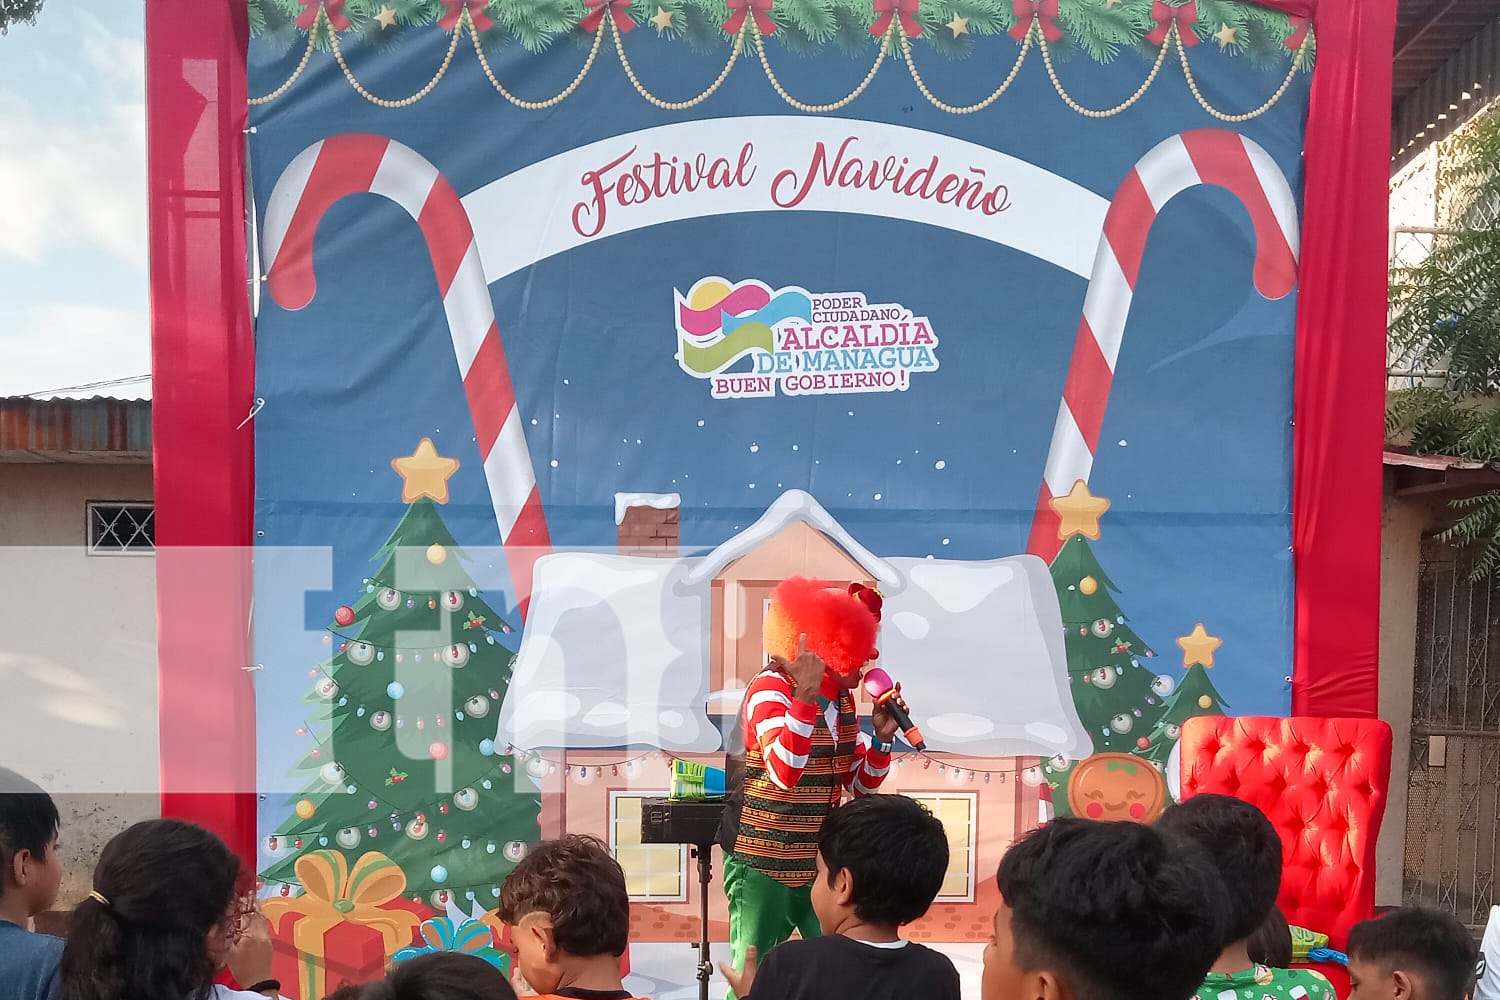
x: 1117, y: 786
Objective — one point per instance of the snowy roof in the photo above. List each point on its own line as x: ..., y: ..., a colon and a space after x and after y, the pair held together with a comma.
x: 659, y: 501
x: 790, y: 507
x: 978, y: 648
x: 615, y: 653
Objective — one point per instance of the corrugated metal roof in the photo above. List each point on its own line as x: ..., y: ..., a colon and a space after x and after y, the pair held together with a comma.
x: 82, y: 427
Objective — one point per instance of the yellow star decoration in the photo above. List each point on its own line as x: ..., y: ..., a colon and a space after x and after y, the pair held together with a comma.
x: 1080, y: 511
x: 1225, y: 35
x: 1198, y: 646
x: 662, y: 20
x: 386, y: 18
x: 424, y: 473
x: 959, y: 25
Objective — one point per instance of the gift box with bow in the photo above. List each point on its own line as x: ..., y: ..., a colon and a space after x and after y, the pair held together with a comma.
x: 344, y: 925
x: 471, y: 937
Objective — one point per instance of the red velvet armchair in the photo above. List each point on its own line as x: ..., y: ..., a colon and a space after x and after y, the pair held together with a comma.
x: 1323, y: 783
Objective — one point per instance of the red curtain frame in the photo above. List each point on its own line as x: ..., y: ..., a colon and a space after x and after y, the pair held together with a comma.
x: 204, y: 370
x: 204, y: 376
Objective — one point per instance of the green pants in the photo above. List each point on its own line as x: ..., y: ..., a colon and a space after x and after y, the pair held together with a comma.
x: 762, y: 911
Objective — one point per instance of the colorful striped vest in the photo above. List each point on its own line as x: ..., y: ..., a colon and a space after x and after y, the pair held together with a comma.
x: 775, y: 829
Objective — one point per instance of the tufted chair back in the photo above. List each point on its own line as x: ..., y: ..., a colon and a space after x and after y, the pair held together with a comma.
x: 1323, y: 784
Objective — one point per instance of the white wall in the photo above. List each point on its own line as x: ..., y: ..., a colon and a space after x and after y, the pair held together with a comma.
x: 78, y: 681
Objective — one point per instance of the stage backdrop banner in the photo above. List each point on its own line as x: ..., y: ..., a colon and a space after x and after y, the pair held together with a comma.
x: 583, y: 324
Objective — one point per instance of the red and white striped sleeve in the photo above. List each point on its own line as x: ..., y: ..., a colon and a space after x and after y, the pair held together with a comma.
x: 869, y: 767
x: 780, y: 725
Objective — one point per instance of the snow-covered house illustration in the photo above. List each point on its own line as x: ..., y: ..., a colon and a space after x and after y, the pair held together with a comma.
x: 633, y: 657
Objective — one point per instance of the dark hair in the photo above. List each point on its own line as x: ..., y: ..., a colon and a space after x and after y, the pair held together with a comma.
x: 1428, y: 944
x: 166, y: 885
x: 28, y: 820
x: 896, y: 850
x: 1271, y: 944
x: 576, y: 882
x: 1119, y: 911
x: 1243, y: 845
x: 440, y: 976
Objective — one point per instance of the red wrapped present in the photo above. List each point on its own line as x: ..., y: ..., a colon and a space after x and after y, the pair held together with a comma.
x: 344, y: 926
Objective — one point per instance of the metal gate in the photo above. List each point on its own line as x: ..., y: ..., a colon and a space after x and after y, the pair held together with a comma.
x: 1453, y: 806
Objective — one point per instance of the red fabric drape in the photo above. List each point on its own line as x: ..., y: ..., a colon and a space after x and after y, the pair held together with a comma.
x: 202, y: 358
x: 1339, y: 401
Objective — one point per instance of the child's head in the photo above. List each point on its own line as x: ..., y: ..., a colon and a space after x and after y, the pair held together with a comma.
x: 1411, y: 954
x: 1271, y: 944
x: 440, y: 976
x: 1244, y: 847
x: 161, y: 920
x: 28, y: 846
x: 567, y: 902
x: 1103, y: 911
x: 881, y: 860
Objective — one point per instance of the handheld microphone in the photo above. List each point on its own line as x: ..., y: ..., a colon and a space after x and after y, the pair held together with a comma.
x: 878, y: 685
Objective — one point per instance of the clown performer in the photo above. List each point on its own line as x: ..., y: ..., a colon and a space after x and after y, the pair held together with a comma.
x: 796, y: 751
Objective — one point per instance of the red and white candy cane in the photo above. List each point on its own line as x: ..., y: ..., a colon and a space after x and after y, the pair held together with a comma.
x: 1203, y: 156
x: 343, y: 165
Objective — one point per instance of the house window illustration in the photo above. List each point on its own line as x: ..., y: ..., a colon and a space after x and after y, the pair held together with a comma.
x: 653, y: 872
x: 957, y: 813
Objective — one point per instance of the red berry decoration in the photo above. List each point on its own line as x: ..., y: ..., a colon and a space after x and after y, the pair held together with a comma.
x: 344, y: 615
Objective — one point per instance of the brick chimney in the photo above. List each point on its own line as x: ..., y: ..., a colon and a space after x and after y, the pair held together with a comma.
x: 647, y: 523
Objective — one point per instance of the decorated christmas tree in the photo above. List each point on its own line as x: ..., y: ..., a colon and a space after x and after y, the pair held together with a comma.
x: 402, y: 719
x: 1118, y: 698
x: 1194, y: 695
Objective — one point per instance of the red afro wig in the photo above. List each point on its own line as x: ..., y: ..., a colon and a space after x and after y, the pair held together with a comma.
x: 839, y: 626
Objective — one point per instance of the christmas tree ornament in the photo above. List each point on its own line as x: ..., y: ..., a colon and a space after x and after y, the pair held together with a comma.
x: 1104, y: 678
x: 505, y: 769
x: 373, y: 832
x: 1163, y: 685
x: 360, y: 653
x: 1122, y: 723
x: 315, y: 752
x: 436, y: 554
x: 411, y: 602
x: 1205, y: 702
x: 1102, y: 627
x: 466, y: 843
x: 1088, y: 585
x: 327, y: 690
x: 286, y: 890
x: 273, y: 843
x: 297, y: 843
x: 456, y: 655
x: 443, y: 808
x: 344, y: 615
x: 454, y: 601
x: 380, y: 721
x: 438, y: 751
x: 516, y: 850
x: 439, y: 873
x: 371, y: 804
x: 432, y: 604
x: 306, y: 809
x: 489, y: 848
x: 394, y: 690
x: 466, y: 799
x: 442, y: 836
x: 322, y: 841
x: 1143, y: 743
x: 421, y: 723
x: 389, y: 599
x: 424, y: 473
x: 417, y: 828
x: 332, y: 773
x: 487, y: 747
x: 398, y: 657
x: 348, y: 838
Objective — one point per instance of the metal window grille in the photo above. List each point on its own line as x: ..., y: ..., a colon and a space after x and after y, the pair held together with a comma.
x: 121, y: 529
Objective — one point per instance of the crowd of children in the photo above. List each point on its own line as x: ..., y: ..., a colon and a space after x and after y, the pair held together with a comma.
x: 1088, y: 911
